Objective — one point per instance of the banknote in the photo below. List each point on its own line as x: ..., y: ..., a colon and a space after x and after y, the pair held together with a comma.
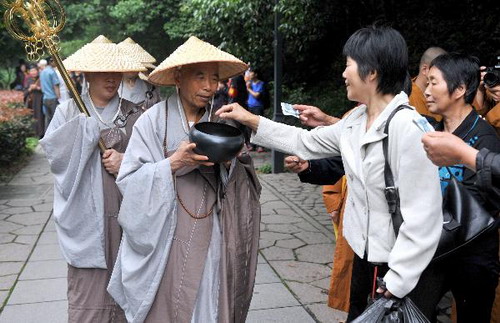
x: 423, y: 124
x: 288, y: 110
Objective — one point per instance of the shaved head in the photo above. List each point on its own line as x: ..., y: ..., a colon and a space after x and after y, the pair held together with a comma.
x: 430, y: 54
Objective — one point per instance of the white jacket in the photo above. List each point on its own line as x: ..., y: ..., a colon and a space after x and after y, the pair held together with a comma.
x: 367, y: 222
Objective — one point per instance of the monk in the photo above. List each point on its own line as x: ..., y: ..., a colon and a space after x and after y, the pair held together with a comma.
x: 86, y: 198
x: 135, y: 87
x: 190, y: 228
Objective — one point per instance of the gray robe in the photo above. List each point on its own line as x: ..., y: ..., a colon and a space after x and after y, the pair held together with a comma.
x: 156, y: 276
x: 86, y: 204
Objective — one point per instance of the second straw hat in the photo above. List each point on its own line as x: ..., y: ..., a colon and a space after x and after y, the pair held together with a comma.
x: 136, y: 51
x: 102, y: 55
x: 195, y: 51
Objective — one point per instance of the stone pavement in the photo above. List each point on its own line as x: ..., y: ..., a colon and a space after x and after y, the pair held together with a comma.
x: 295, y: 260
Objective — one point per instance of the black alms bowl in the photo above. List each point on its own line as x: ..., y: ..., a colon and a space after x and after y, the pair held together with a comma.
x: 219, y: 141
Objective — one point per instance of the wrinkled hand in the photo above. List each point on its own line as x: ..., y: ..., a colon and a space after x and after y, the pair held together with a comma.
x: 295, y: 164
x: 313, y: 117
x: 185, y: 156
x: 443, y: 149
x: 112, y: 160
x: 236, y: 112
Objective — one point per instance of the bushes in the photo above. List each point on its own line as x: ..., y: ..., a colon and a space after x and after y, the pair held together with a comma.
x: 16, y: 125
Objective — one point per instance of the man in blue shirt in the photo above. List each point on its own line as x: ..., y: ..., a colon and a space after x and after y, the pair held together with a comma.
x: 255, y: 89
x: 50, y: 89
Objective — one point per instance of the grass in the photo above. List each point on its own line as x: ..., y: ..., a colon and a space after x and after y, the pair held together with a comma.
x: 265, y: 169
x: 7, y: 172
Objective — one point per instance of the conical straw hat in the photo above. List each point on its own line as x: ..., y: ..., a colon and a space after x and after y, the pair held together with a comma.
x: 195, y: 51
x: 102, y: 55
x: 135, y: 50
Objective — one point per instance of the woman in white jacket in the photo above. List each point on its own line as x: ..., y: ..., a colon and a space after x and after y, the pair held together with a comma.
x: 376, y: 74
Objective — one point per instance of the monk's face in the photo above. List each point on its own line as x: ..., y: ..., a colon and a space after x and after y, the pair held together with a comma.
x: 197, y: 84
x: 103, y: 86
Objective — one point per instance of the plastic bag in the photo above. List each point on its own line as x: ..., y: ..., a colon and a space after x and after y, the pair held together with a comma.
x: 392, y: 310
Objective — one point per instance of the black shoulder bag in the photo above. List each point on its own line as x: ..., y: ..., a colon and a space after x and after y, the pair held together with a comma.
x: 464, y: 217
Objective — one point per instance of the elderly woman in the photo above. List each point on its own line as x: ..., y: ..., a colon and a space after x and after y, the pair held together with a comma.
x: 472, y: 273
x: 376, y: 74
x: 86, y: 198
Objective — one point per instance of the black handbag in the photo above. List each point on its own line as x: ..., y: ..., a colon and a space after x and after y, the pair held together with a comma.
x: 464, y: 218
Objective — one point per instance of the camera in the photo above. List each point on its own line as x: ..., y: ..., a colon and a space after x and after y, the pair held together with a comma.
x: 492, y: 76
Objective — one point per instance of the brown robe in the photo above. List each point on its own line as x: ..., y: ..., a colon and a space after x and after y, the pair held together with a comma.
x: 240, y: 224
x: 88, y: 300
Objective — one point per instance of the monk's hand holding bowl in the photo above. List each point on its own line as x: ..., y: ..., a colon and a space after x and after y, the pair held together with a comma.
x: 236, y: 112
x: 185, y: 156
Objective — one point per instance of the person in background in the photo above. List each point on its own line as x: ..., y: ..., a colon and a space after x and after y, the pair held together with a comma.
x: 487, y: 102
x: 21, y: 74
x: 50, y: 89
x: 135, y: 87
x: 472, y: 272
x: 221, y: 95
x: 42, y: 64
x: 63, y: 89
x: 238, y: 93
x: 33, y: 98
x: 255, y: 88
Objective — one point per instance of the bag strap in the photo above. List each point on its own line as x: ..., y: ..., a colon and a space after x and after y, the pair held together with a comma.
x: 391, y: 191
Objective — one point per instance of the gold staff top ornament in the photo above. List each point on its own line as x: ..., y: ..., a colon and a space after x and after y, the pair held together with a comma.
x: 36, y: 23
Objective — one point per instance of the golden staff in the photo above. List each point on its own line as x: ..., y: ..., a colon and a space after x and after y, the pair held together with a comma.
x: 37, y: 23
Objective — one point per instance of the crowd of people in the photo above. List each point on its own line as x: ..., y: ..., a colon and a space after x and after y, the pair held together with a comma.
x: 376, y: 77
x: 154, y: 232
x: 44, y: 89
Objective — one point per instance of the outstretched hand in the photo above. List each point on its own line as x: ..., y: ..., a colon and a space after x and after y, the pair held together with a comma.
x: 236, y: 112
x: 312, y: 116
x: 185, y: 156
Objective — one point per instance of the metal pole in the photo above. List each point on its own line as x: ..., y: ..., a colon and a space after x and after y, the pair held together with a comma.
x: 277, y: 158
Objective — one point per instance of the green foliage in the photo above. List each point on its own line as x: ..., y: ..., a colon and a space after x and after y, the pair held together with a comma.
x: 7, y: 76
x: 265, y: 169
x: 31, y: 143
x: 13, y: 134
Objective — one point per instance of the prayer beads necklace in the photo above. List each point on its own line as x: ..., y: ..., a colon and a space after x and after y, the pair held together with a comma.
x: 165, y: 153
x: 99, y: 115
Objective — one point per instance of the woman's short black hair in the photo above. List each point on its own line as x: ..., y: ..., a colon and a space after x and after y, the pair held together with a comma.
x: 459, y: 69
x: 382, y: 50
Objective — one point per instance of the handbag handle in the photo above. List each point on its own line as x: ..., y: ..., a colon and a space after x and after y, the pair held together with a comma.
x: 391, y: 191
